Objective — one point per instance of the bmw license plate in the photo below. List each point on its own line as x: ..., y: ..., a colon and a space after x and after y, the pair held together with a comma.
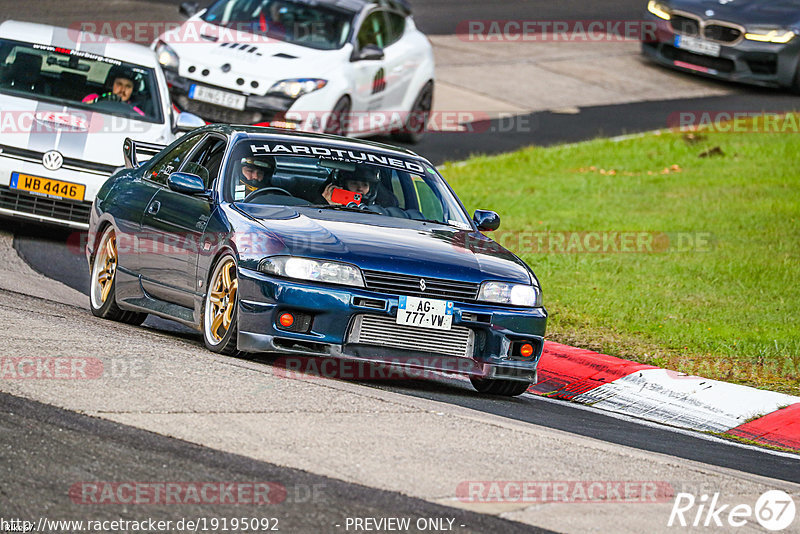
x: 426, y: 313
x: 698, y: 46
x: 215, y: 96
x: 47, y: 186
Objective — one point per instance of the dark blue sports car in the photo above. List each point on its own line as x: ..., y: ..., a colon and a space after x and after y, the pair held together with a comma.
x: 313, y: 245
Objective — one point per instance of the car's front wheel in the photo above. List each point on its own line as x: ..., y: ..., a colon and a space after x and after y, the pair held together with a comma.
x: 102, y: 293
x: 338, y: 121
x: 503, y: 388
x: 219, y: 309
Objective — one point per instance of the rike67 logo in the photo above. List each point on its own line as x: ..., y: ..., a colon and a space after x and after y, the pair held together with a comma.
x: 774, y: 510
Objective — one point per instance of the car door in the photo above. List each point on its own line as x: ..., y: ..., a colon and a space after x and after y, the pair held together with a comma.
x: 176, y: 222
x: 370, y: 74
x: 399, y: 61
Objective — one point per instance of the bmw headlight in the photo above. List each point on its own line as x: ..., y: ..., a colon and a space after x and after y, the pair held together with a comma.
x: 329, y: 272
x: 769, y: 35
x: 658, y: 9
x: 298, y: 87
x: 167, y: 56
x: 512, y: 294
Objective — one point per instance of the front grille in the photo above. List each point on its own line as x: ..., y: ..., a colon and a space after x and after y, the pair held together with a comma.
x: 385, y: 332
x: 723, y: 34
x: 717, y: 63
x: 685, y: 25
x: 212, y: 113
x: 69, y: 163
x: 401, y: 284
x: 64, y: 210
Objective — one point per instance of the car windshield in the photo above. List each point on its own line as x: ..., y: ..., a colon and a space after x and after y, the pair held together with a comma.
x: 296, y: 22
x: 284, y: 173
x: 79, y: 79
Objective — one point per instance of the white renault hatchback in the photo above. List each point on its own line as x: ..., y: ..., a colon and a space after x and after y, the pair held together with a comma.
x: 350, y: 67
x: 68, y: 100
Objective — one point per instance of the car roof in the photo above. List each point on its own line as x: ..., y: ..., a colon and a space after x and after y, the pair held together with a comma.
x: 71, y: 38
x: 358, y: 5
x: 291, y: 135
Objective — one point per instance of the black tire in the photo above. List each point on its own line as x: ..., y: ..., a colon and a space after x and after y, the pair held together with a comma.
x: 103, y: 281
x: 337, y: 122
x: 226, y: 343
x: 503, y: 388
x: 417, y: 122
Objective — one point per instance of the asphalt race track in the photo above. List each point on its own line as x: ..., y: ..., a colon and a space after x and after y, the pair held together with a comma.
x: 41, y: 446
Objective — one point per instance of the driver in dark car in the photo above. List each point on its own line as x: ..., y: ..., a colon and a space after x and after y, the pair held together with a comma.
x: 364, y: 180
x: 122, y: 89
x: 255, y: 173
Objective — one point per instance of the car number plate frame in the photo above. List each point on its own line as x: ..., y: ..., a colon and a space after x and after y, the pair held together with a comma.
x: 217, y: 96
x: 425, y: 313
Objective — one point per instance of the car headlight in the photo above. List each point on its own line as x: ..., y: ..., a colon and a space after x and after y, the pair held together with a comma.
x: 512, y: 294
x: 329, y: 272
x: 167, y: 56
x: 298, y: 87
x: 658, y: 9
x: 770, y: 35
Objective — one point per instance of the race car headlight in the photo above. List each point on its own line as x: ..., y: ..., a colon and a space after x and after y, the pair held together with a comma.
x: 658, y: 9
x: 167, y: 56
x: 297, y: 88
x: 329, y: 272
x: 766, y: 35
x: 512, y: 294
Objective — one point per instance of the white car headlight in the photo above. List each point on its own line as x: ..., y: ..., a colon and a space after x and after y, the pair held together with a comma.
x: 659, y: 10
x: 298, y: 87
x: 167, y: 56
x: 329, y: 272
x: 770, y: 35
x: 512, y: 294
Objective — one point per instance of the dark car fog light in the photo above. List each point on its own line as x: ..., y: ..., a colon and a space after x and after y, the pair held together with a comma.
x: 523, y: 350
x: 526, y: 350
x: 294, y: 322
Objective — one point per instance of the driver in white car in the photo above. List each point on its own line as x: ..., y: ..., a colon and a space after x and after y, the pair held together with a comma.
x: 122, y: 89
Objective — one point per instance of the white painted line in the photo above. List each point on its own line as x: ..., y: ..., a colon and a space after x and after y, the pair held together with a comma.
x: 685, y: 401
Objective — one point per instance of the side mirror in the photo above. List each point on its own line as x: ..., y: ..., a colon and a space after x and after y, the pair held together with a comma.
x: 187, y: 121
x: 486, y: 220
x: 369, y: 52
x: 184, y: 182
x: 188, y: 9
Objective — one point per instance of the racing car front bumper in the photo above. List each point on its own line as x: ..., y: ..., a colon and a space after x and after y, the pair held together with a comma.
x: 358, y: 324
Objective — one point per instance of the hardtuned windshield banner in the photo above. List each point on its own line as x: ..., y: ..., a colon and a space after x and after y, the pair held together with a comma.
x: 339, y: 154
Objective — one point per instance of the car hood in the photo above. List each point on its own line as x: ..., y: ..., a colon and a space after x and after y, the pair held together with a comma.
x: 373, y: 242
x: 745, y: 12
x: 243, y: 57
x: 76, y: 133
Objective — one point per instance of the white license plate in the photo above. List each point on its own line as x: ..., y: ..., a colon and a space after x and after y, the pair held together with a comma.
x: 215, y: 96
x: 698, y: 46
x: 426, y: 313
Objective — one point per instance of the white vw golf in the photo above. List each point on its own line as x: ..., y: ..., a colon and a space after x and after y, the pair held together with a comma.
x: 353, y: 67
x: 68, y: 100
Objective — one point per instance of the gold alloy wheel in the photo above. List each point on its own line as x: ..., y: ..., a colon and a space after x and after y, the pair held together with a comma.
x: 105, y: 267
x: 221, y: 301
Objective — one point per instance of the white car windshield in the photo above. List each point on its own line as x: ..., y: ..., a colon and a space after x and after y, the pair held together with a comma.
x: 348, y: 179
x: 79, y: 79
x: 295, y: 22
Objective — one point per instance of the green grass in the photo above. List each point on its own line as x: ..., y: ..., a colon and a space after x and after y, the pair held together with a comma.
x: 728, y: 309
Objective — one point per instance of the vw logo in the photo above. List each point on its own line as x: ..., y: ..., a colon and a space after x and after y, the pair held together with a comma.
x: 52, y: 160
x: 422, y: 285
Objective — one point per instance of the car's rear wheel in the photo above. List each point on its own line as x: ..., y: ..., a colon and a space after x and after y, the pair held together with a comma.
x: 417, y: 120
x: 102, y: 293
x: 503, y: 388
x: 219, y: 309
x: 337, y: 122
